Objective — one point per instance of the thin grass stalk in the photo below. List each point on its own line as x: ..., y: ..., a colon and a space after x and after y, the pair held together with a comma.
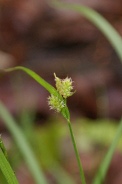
x: 82, y: 176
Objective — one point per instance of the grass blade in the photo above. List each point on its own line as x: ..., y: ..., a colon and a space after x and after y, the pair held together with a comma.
x: 61, y: 175
x: 42, y: 82
x: 106, y: 162
x: 99, y: 21
x: 23, y: 145
x: 36, y: 77
x: 6, y: 169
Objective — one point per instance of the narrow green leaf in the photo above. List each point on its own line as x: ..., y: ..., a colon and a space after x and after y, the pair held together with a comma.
x: 61, y: 175
x: 42, y: 82
x: 23, y: 146
x: 36, y: 77
x: 106, y: 162
x: 3, y: 147
x: 7, y: 170
x: 98, y: 20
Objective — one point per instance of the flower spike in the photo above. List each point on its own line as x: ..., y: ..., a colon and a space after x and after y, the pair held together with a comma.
x: 64, y: 86
x: 56, y: 103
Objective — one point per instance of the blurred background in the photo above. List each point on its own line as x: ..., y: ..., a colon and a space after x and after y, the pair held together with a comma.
x: 45, y: 39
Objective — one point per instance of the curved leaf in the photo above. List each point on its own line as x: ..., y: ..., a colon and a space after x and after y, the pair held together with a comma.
x: 23, y: 146
x: 99, y: 21
x: 36, y: 77
x: 7, y: 170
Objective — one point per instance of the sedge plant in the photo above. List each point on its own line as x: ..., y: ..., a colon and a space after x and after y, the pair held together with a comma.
x: 115, y: 39
x: 58, y: 102
x: 58, y: 99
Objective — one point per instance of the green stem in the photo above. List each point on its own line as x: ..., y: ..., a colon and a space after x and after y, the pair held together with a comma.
x: 77, y: 154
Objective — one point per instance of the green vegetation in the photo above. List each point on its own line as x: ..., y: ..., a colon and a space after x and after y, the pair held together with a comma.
x: 57, y: 101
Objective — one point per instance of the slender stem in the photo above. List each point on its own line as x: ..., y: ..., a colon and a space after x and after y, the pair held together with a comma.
x: 77, y: 154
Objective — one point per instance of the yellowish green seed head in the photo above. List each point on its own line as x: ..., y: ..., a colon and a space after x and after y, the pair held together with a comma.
x: 64, y: 86
x: 55, y: 103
